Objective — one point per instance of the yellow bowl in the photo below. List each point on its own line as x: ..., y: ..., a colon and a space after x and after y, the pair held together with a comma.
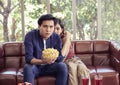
x: 50, y: 53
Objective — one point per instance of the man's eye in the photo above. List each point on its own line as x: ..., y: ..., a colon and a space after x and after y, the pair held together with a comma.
x: 51, y: 26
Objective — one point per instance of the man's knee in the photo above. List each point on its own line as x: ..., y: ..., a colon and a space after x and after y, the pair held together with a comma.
x: 63, y: 67
x: 28, y: 67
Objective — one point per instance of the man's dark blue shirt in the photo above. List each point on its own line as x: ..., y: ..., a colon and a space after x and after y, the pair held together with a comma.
x: 34, y: 45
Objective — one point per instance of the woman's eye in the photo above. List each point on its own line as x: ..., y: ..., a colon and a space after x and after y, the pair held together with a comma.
x: 57, y: 28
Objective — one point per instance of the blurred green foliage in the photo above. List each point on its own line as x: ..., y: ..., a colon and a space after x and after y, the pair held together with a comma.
x: 86, y: 17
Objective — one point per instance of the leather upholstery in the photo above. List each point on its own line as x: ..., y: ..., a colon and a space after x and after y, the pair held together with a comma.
x: 100, y: 56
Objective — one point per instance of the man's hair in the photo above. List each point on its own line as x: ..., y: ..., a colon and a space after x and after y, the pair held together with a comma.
x: 45, y: 17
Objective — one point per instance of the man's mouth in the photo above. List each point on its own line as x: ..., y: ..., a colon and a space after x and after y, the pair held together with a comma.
x: 47, y: 33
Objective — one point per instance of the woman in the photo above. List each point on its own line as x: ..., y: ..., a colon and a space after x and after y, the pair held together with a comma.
x: 75, y: 65
x: 65, y: 36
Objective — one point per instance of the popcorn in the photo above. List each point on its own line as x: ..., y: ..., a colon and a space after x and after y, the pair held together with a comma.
x: 50, y: 53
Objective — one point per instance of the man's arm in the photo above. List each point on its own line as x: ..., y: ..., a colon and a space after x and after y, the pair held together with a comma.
x: 28, y: 48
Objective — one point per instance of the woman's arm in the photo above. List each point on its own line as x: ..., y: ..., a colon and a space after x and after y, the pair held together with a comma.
x: 66, y: 40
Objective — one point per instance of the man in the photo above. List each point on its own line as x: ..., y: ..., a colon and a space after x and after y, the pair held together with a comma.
x: 35, y: 42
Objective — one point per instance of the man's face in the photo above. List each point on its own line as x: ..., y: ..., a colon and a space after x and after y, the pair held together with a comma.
x: 46, y: 28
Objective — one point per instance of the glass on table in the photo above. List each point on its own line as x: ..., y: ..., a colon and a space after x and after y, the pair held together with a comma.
x: 98, y: 79
x: 85, y: 80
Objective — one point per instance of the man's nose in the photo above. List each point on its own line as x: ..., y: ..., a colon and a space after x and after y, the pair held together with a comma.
x: 48, y: 29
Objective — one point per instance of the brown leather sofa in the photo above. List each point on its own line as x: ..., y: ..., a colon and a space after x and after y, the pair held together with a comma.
x: 101, y: 57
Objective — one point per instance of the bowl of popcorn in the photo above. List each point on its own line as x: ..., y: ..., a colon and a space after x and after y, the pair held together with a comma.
x: 50, y: 53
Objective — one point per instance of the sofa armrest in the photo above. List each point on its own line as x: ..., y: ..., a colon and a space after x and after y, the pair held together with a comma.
x: 1, y: 57
x: 116, y: 44
x: 115, y: 63
x: 115, y: 49
x: 1, y: 64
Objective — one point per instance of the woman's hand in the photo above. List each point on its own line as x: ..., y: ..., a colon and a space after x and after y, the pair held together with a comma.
x: 67, y: 37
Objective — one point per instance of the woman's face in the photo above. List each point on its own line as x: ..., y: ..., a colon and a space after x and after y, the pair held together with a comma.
x: 58, y: 29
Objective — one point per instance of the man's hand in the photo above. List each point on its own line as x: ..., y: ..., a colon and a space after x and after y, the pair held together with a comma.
x: 49, y: 55
x: 48, y: 61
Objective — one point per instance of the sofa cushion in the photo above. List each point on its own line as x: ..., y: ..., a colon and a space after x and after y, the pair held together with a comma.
x: 83, y: 47
x: 101, y: 46
x: 12, y: 49
x: 12, y: 62
x: 86, y: 58
x: 101, y: 59
x: 46, y: 80
x: 8, y: 76
x: 7, y: 79
x: 110, y: 76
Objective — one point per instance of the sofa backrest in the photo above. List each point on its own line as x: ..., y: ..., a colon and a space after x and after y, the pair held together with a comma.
x: 93, y: 53
x: 84, y: 50
x: 102, y: 53
x: 13, y: 54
